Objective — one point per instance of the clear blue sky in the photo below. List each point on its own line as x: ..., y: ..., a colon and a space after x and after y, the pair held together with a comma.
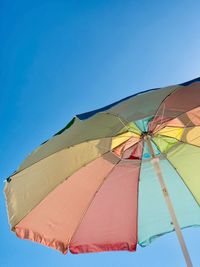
x: 60, y: 58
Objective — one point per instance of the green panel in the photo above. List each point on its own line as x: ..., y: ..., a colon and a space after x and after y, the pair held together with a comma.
x: 186, y: 159
x: 164, y: 143
x: 154, y: 219
x: 99, y: 126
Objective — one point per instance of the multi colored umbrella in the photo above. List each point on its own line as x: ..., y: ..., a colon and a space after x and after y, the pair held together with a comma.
x: 102, y: 183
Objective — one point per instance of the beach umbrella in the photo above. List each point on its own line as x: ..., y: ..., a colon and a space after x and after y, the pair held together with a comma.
x: 114, y: 177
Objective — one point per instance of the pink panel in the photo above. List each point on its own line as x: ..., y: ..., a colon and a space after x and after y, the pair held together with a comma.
x: 55, y: 219
x: 194, y: 117
x: 187, y: 119
x: 111, y: 220
x: 181, y: 101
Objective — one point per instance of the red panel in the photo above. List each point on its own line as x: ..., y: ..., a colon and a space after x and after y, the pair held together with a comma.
x: 134, y: 152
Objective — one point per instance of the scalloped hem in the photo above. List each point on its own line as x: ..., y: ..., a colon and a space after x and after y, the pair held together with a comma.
x: 36, y: 237
x: 103, y: 248
x: 63, y: 248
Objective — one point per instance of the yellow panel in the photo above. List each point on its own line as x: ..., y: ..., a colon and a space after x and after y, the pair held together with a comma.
x: 192, y: 136
x: 174, y: 132
x: 119, y: 139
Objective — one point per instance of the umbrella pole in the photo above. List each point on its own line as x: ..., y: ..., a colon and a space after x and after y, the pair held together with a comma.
x: 156, y: 164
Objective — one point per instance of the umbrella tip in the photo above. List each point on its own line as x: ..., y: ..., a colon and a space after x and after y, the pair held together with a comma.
x: 8, y: 179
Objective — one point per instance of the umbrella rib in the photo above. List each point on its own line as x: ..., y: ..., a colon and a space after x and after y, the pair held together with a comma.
x: 139, y: 186
x: 172, y: 118
x: 176, y: 88
x: 123, y: 123
x: 182, y: 127
x: 91, y: 201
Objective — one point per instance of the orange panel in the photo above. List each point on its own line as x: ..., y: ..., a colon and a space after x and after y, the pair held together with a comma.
x: 55, y: 219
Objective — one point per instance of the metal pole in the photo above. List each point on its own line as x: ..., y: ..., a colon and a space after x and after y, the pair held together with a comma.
x: 156, y: 164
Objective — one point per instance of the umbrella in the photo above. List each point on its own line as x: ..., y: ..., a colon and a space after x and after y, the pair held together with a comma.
x: 114, y: 177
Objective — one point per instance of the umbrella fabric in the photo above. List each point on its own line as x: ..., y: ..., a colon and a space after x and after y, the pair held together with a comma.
x: 92, y: 186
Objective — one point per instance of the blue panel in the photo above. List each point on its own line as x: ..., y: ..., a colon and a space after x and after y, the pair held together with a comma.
x: 191, y: 81
x: 143, y: 124
x: 153, y: 216
x: 146, y: 153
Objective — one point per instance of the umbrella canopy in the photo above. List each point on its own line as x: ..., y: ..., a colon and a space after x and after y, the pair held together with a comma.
x: 94, y: 185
